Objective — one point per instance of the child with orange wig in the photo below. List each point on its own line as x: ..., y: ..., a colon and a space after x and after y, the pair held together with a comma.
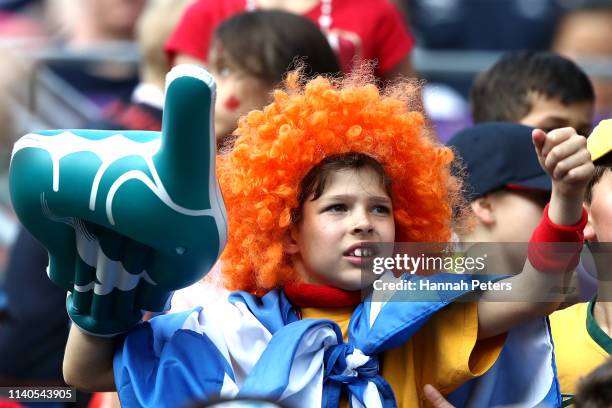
x: 316, y: 181
x: 277, y: 147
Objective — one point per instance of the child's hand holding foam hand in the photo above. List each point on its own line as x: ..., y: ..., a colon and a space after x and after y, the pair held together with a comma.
x: 564, y: 156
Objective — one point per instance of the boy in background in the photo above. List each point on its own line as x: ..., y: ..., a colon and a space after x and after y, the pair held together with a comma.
x: 538, y: 89
x: 543, y: 90
x: 507, y: 188
x: 584, y: 34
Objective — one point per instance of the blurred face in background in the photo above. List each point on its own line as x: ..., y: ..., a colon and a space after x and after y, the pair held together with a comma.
x: 600, y: 210
x: 238, y: 92
x: 587, y: 35
x: 517, y: 214
x: 550, y: 113
x: 117, y: 17
x: 87, y: 21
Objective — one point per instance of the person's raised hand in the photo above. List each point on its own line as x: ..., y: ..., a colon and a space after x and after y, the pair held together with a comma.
x: 564, y: 156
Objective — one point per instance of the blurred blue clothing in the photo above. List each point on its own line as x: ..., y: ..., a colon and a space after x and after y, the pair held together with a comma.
x: 16, y: 5
x: 32, y: 341
x: 484, y: 24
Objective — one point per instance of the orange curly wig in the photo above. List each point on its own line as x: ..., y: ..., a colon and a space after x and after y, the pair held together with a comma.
x: 306, y: 122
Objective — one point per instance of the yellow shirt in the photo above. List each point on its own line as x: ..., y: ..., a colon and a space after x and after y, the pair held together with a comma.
x: 580, y: 344
x: 445, y: 352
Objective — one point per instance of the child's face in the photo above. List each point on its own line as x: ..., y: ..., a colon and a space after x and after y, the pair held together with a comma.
x: 516, y: 215
x: 549, y: 113
x: 600, y: 210
x: 237, y: 92
x: 353, y: 211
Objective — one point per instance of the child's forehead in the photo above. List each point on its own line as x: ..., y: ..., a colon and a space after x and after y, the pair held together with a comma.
x: 354, y: 181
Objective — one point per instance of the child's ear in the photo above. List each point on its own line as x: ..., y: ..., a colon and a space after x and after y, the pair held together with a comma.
x: 589, y: 231
x: 290, y: 244
x: 483, y: 210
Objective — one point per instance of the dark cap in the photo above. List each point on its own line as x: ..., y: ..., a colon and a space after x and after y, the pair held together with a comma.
x: 498, y: 155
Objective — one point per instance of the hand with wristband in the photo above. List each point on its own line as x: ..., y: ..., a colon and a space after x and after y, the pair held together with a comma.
x: 555, y: 245
x: 564, y: 156
x: 127, y: 217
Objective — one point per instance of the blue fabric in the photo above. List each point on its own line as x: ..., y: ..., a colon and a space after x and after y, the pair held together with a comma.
x: 396, y: 323
x: 273, y: 310
x: 160, y: 364
x: 155, y: 368
x: 553, y: 398
x: 269, y: 378
x: 510, y: 382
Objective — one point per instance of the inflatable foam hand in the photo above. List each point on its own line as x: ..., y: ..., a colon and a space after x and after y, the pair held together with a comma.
x: 127, y: 217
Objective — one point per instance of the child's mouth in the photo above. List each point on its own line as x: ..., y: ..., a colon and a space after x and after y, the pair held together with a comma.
x: 360, y: 255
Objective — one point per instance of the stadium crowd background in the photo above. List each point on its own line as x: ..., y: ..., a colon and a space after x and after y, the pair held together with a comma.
x: 73, y: 64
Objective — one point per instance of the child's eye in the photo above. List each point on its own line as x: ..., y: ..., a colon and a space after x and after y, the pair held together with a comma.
x: 381, y: 209
x: 335, y: 208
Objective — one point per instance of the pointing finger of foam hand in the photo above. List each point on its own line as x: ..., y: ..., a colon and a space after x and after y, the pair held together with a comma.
x: 186, y: 157
x: 556, y: 137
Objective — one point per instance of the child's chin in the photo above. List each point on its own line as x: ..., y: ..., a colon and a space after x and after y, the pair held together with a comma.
x: 351, y: 287
x: 354, y: 284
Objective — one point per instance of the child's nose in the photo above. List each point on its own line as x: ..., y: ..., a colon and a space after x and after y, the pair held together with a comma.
x: 362, y: 223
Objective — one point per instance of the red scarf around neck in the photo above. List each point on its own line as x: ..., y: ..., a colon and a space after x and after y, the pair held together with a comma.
x: 307, y: 295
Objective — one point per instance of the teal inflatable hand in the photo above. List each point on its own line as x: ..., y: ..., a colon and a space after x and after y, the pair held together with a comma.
x: 127, y: 217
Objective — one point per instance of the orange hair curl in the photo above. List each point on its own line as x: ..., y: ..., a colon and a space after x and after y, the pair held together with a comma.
x: 305, y: 123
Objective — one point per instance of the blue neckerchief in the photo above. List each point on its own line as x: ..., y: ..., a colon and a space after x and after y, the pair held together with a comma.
x: 396, y: 323
x: 162, y: 364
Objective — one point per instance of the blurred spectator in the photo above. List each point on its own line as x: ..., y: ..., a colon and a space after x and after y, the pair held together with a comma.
x: 16, y: 5
x: 595, y: 390
x: 585, y: 35
x: 30, y: 294
x: 537, y: 89
x: 474, y: 25
x: 87, y: 23
x: 20, y: 18
x: 142, y: 110
x: 484, y: 24
x: 357, y: 30
x: 14, y: 122
x: 32, y: 342
x: 542, y: 90
x: 250, y: 54
x: 94, y: 28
